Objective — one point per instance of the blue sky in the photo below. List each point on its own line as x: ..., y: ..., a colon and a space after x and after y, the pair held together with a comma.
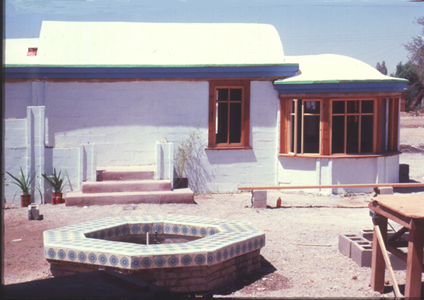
x: 369, y: 30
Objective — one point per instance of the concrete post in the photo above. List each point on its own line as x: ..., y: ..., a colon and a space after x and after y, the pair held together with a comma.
x: 88, y: 162
x: 165, y: 161
x: 35, y: 148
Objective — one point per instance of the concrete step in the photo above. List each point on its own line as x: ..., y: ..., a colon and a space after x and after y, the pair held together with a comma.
x: 126, y: 173
x: 157, y: 197
x: 126, y: 186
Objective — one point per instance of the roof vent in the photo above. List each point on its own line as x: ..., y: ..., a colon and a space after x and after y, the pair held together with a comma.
x: 32, y: 52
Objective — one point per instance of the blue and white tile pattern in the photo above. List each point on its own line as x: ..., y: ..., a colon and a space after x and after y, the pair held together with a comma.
x: 91, y: 243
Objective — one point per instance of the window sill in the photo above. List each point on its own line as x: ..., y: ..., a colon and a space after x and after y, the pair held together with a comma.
x: 335, y: 156
x: 229, y: 148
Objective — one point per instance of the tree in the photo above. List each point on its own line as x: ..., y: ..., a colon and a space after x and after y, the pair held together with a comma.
x: 409, y: 71
x: 416, y: 57
x: 382, y: 68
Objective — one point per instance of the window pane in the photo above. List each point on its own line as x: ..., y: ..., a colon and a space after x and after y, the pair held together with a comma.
x: 352, y: 134
x: 292, y: 132
x: 235, y: 122
x: 367, y: 106
x: 367, y: 130
x: 338, y: 107
x: 353, y: 106
x: 311, y: 134
x: 293, y: 106
x: 221, y: 122
x: 337, y: 134
x: 312, y: 107
x: 222, y: 94
x: 235, y: 94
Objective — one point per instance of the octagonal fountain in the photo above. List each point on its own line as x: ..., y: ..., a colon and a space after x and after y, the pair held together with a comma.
x: 181, y: 253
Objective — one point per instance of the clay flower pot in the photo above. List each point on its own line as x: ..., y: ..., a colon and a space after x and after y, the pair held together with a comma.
x: 57, y: 198
x: 25, y: 200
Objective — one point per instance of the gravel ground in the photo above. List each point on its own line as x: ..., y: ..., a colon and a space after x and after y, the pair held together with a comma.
x: 300, y: 257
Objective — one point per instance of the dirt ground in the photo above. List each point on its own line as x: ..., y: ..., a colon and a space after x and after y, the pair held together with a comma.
x: 300, y: 257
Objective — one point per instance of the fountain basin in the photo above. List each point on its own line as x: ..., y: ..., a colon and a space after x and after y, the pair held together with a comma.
x: 201, y: 253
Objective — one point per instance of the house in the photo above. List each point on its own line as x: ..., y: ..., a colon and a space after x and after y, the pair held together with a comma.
x: 89, y: 95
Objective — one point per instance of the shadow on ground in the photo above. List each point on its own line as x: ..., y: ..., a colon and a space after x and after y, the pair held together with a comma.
x: 264, y: 279
x: 389, y: 289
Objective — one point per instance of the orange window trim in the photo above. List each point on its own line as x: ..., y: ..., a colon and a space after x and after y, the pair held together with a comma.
x: 245, y: 113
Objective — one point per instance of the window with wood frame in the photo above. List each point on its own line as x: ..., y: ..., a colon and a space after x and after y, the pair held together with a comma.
x: 352, y: 126
x: 229, y: 114
x: 305, y: 122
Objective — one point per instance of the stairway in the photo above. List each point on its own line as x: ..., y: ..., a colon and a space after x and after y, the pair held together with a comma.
x: 127, y: 185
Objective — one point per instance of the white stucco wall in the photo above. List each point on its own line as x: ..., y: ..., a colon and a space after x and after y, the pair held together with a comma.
x: 15, y: 153
x: 18, y: 96
x: 326, y: 171
x: 120, y: 123
x: 125, y: 120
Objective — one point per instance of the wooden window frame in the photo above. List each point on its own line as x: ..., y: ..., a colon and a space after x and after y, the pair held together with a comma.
x: 296, y: 114
x: 245, y: 114
x: 326, y: 125
x: 376, y: 125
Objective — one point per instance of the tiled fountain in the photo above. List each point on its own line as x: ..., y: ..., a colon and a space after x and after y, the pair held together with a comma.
x: 182, y: 253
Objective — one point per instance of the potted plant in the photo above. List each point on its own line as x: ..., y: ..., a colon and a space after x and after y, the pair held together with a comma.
x: 24, y: 183
x: 56, y: 183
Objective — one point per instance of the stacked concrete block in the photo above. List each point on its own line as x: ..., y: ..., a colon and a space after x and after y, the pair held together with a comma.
x: 259, y: 199
x: 357, y: 248
x: 361, y: 252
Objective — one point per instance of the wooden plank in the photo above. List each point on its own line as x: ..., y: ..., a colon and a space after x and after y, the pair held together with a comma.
x: 212, y: 117
x: 284, y: 125
x: 383, y: 251
x: 396, y: 252
x: 377, y: 261
x: 407, y: 206
x: 414, y: 262
x: 398, y: 234
x: 325, y: 121
x: 378, y: 119
x: 331, y: 186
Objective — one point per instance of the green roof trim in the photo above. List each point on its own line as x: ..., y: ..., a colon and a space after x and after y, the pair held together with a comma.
x: 341, y: 81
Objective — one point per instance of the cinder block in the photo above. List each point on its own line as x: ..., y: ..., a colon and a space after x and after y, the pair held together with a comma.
x: 259, y: 199
x: 386, y: 190
x: 344, y: 243
x: 361, y: 252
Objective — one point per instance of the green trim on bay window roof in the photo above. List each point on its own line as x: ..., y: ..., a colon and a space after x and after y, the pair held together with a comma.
x: 397, y: 80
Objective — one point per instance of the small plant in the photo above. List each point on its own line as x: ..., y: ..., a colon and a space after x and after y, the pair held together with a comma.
x: 23, y: 182
x: 55, y: 181
x: 348, y: 194
x: 187, y: 158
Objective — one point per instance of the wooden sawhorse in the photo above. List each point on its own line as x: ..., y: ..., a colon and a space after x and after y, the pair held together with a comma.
x: 408, y: 211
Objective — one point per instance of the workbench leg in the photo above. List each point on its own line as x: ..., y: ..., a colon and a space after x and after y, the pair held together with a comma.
x: 414, y: 262
x: 378, y: 265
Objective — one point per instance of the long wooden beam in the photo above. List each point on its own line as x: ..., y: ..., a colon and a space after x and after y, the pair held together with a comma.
x: 331, y: 186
